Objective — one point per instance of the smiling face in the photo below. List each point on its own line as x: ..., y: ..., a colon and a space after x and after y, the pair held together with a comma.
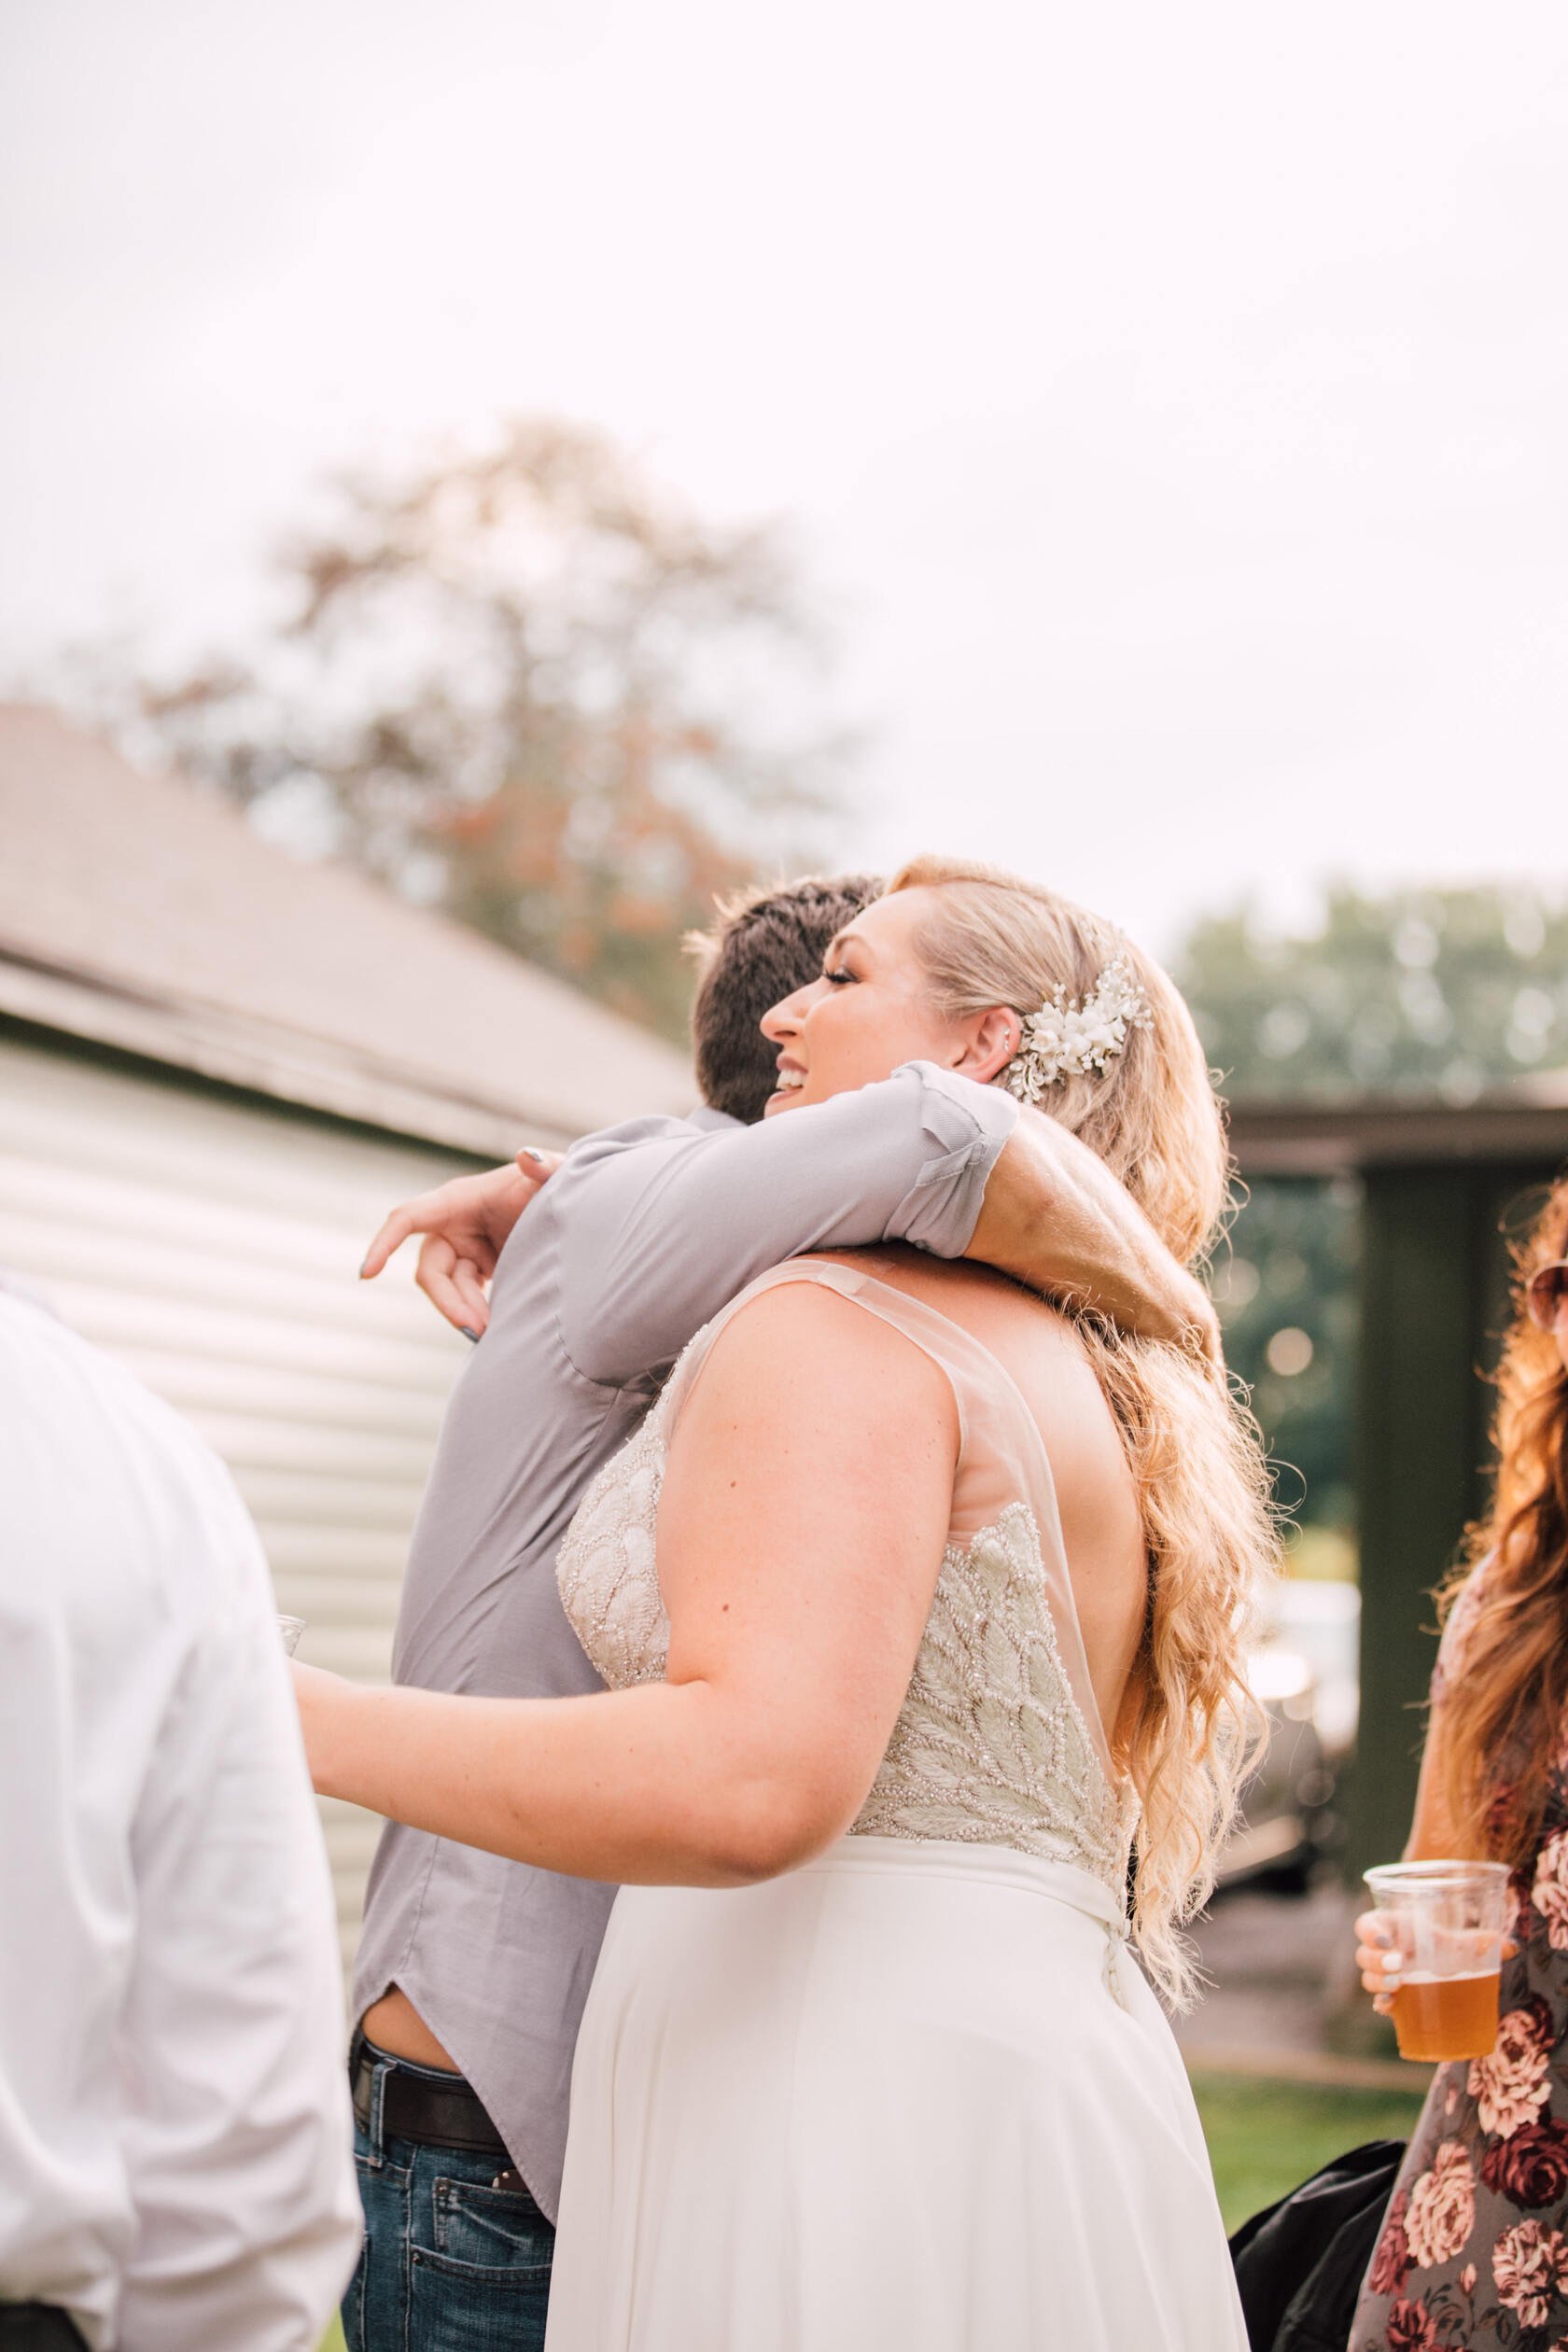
x: 1546, y: 1293
x: 871, y: 1010
x: 1560, y: 1304
x: 1550, y: 1288
x: 1551, y: 1314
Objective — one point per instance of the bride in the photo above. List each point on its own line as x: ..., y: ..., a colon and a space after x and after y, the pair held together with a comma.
x: 923, y: 1607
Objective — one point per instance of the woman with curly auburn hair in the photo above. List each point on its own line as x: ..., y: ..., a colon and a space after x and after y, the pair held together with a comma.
x: 1474, y: 2255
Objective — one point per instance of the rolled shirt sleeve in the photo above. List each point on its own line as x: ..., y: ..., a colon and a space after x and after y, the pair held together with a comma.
x: 659, y: 1234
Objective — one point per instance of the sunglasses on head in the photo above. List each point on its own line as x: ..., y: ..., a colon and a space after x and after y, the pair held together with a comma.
x: 1546, y: 1294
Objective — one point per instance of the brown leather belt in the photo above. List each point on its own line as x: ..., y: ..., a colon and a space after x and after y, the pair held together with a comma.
x: 418, y: 2104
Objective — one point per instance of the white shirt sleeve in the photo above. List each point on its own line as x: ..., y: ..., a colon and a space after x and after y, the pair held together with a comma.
x: 238, y: 2134
x: 175, y: 2145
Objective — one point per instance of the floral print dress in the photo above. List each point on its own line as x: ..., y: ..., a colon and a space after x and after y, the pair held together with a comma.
x: 1474, y: 2255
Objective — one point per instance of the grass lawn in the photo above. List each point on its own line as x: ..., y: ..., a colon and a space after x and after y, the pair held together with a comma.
x: 333, y: 2341
x: 1265, y: 2137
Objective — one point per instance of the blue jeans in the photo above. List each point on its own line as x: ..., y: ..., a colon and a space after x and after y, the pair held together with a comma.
x: 450, y: 2264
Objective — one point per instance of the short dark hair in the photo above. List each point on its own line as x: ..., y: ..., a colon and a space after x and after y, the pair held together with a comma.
x: 765, y: 945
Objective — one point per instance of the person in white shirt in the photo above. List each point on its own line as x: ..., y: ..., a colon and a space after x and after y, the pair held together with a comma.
x: 175, y: 2141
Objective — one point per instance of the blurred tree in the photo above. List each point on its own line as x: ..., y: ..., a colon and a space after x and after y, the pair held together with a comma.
x: 525, y: 687
x: 1427, y: 992
x: 1431, y: 991
x: 1286, y: 1292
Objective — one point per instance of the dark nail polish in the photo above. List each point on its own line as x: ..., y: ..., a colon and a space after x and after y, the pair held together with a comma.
x: 468, y: 1334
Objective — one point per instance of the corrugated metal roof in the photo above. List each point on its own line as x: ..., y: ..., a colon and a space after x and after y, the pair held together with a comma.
x: 140, y: 913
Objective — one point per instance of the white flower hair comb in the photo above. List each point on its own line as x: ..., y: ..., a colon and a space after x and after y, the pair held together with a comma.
x: 1067, y: 1038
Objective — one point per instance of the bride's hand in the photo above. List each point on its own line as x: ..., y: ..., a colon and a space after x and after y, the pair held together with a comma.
x: 466, y: 1223
x: 1200, y: 1330
x: 322, y: 1700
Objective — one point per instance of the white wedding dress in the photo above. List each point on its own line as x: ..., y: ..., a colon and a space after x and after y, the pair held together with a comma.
x: 916, y: 2096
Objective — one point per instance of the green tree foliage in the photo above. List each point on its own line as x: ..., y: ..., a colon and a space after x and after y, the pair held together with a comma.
x: 1440, y: 992
x: 1430, y: 992
x: 525, y: 687
x: 1287, y: 1285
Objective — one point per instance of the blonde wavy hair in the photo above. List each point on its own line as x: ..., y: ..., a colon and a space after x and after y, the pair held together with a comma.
x: 1190, y: 1730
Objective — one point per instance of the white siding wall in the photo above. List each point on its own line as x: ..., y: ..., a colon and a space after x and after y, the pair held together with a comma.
x: 214, y: 1248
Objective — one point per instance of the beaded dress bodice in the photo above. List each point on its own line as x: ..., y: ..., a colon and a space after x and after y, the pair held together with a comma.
x: 997, y: 1742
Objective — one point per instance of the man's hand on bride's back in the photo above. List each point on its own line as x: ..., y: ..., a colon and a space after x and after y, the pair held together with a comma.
x: 466, y: 1223
x: 1056, y: 1218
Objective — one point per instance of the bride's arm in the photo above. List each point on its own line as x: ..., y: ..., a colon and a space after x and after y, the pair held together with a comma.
x: 804, y: 1511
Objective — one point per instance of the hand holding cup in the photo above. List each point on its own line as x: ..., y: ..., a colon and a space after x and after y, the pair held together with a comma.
x: 1431, y: 1953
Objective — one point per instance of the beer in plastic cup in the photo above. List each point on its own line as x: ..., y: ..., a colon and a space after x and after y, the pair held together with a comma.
x: 1447, y: 1921
x: 291, y: 1629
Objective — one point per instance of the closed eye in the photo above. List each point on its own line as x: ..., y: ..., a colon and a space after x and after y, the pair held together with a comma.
x: 838, y: 975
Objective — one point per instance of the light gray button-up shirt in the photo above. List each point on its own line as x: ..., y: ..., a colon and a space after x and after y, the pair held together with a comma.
x: 642, y: 1234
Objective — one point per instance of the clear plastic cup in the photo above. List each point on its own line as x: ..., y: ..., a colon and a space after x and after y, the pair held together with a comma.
x: 291, y: 1629
x: 1443, y: 1925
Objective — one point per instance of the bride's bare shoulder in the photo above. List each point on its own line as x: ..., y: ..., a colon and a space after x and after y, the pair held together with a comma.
x: 1037, y: 1345
x: 801, y: 1356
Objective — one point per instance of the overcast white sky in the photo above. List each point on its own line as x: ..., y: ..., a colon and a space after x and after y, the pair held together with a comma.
x: 1169, y: 401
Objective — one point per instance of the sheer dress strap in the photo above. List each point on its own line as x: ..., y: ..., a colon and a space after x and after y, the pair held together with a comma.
x: 1002, y: 1459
